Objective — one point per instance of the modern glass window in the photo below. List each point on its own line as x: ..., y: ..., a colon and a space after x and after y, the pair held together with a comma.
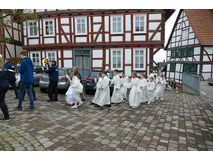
x: 51, y: 56
x: 139, y: 59
x: 140, y: 23
x: 33, y: 29
x: 36, y: 58
x: 117, y: 59
x: 49, y: 28
x: 117, y: 24
x: 81, y: 25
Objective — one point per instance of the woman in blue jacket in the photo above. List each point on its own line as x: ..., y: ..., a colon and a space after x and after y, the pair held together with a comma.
x: 4, y: 85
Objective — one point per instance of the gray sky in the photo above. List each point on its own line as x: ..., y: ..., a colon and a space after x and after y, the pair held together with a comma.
x: 161, y: 55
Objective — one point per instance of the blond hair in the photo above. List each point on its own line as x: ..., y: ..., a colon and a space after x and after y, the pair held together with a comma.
x: 1, y: 63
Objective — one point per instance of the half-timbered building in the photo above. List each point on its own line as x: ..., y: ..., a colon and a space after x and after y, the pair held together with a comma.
x: 10, y: 37
x: 190, y: 46
x: 123, y: 39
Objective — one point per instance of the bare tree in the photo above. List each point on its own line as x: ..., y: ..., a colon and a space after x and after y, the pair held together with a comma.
x: 10, y: 16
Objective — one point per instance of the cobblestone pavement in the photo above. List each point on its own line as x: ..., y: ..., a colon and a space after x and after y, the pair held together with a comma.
x: 180, y: 122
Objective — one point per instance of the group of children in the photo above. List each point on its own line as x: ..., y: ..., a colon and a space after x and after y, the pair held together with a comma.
x: 142, y: 90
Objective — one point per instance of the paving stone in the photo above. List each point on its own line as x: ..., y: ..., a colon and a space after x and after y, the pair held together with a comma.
x: 105, y: 141
x: 180, y: 122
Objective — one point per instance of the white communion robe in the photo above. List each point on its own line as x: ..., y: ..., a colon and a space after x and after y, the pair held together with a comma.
x: 134, y: 95
x: 73, y: 93
x: 144, y: 90
x: 116, y: 95
x: 151, y: 91
x: 123, y: 90
x: 98, y: 91
x: 104, y: 98
x: 161, y: 86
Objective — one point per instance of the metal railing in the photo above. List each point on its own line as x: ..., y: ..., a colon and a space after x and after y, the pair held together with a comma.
x: 192, y: 82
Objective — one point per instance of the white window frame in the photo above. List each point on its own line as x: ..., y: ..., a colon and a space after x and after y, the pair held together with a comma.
x: 111, y: 22
x: 144, y: 60
x: 117, y: 49
x: 44, y: 25
x: 30, y: 27
x: 76, y: 25
x: 51, y: 52
x: 134, y: 23
x: 185, y: 34
x: 39, y: 56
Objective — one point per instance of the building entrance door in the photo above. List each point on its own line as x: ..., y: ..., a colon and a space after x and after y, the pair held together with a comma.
x: 82, y: 61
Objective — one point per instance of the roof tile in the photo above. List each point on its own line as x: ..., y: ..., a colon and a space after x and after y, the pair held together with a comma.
x: 201, y: 21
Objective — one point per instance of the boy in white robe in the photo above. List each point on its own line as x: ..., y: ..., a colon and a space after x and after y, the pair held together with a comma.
x: 143, y: 88
x: 104, y: 98
x: 151, y: 90
x: 98, y: 87
x: 161, y: 86
x: 116, y: 96
x: 134, y: 95
x: 123, y: 90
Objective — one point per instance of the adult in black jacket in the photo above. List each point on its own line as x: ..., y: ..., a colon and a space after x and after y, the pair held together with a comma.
x: 4, y: 85
x: 11, y: 73
x: 53, y: 82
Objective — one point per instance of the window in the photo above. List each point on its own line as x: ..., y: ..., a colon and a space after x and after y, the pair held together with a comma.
x: 189, y: 52
x: 182, y: 52
x: 49, y: 28
x: 185, y: 34
x: 116, y: 24
x: 140, y: 23
x: 190, y: 68
x: 172, y: 53
x: 81, y: 25
x: 35, y: 58
x: 117, y: 59
x: 33, y: 29
x: 51, y: 56
x: 172, y: 67
x: 139, y: 59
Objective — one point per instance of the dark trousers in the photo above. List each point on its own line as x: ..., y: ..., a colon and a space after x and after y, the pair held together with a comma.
x: 13, y: 84
x: 22, y: 88
x: 34, y: 95
x: 53, y: 91
x: 3, y: 105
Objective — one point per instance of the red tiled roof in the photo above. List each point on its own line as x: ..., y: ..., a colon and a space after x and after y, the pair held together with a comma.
x: 201, y: 21
x: 168, y: 12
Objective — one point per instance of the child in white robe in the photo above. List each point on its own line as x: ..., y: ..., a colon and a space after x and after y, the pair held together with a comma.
x: 134, y: 95
x: 161, y: 86
x: 123, y: 89
x: 143, y: 88
x: 151, y: 90
x: 151, y: 75
x: 98, y: 87
x: 104, y: 98
x: 73, y: 93
x: 116, y: 96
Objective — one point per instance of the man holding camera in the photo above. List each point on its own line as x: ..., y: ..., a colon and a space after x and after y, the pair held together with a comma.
x: 53, y: 81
